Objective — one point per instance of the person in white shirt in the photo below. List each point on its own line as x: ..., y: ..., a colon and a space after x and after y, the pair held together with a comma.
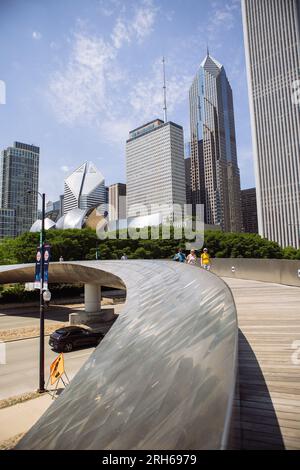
x: 192, y: 258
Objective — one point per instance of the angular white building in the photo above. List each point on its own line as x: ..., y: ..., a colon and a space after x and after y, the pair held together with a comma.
x: 272, y: 35
x: 155, y: 166
x: 84, y: 188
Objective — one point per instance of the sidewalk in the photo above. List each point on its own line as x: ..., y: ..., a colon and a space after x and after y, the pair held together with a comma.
x: 18, y: 419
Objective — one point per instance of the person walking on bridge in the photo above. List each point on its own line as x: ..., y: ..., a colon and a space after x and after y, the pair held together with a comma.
x: 180, y: 256
x: 192, y: 257
x: 205, y: 260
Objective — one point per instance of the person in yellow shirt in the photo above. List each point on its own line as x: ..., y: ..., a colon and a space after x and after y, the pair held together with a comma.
x: 205, y: 259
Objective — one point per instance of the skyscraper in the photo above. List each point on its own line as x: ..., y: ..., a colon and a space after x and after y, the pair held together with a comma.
x: 271, y: 33
x: 7, y: 223
x: 84, y: 188
x: 117, y: 206
x: 155, y: 166
x: 188, y: 179
x: 249, y: 210
x: 188, y: 187
x: 19, y: 172
x: 214, y: 167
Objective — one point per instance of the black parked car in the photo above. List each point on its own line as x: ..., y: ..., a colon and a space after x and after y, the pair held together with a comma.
x: 70, y: 337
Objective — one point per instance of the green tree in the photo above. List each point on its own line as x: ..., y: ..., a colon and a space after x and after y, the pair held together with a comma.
x: 290, y: 253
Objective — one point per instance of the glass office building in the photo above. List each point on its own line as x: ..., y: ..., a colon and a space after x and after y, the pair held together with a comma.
x: 215, y: 177
x: 19, y: 172
x: 7, y: 223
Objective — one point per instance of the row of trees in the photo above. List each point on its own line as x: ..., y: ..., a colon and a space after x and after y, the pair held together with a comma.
x: 83, y: 244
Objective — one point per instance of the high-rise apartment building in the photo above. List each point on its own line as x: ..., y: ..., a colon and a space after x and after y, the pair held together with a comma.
x: 117, y: 201
x: 249, y: 210
x: 272, y: 45
x: 214, y: 168
x: 19, y: 173
x: 84, y: 188
x: 7, y: 223
x: 155, y: 166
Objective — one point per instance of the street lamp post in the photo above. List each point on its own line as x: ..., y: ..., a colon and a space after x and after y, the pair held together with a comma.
x: 41, y: 388
x: 42, y: 310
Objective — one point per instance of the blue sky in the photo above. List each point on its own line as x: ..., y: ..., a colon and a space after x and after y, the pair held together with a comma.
x: 80, y: 74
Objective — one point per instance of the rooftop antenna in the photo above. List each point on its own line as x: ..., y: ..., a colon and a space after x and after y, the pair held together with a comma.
x: 207, y: 50
x: 165, y: 92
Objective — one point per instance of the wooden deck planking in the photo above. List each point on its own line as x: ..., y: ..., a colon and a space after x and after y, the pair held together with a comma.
x: 269, y: 323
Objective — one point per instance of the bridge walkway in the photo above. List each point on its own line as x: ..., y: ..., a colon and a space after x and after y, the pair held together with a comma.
x: 269, y: 363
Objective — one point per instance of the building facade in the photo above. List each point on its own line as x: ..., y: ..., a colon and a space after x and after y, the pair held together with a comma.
x: 61, y: 204
x: 188, y: 183
x: 249, y: 210
x: 155, y: 167
x: 84, y: 188
x: 7, y: 223
x: 215, y: 175
x: 271, y: 36
x: 117, y: 201
x: 188, y: 174
x: 19, y: 173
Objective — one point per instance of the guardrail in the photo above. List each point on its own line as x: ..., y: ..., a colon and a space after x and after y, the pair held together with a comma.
x: 279, y: 271
x: 164, y: 376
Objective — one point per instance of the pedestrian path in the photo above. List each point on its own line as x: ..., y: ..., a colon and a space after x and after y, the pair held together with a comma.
x: 18, y: 419
x: 269, y: 363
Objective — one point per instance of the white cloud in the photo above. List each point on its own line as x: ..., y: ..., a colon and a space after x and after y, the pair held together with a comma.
x: 79, y: 92
x: 222, y: 16
x: 36, y: 35
x: 116, y: 131
x: 85, y: 87
x: 110, y: 7
x: 144, y: 102
x: 144, y: 18
x: 140, y: 26
x: 89, y: 90
x: 65, y: 168
x: 121, y: 33
x: 146, y: 97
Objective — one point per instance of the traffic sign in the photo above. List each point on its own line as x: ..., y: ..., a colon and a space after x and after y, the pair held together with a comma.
x: 57, y: 368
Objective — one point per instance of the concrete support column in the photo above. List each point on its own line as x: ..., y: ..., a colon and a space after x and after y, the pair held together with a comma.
x: 92, y: 298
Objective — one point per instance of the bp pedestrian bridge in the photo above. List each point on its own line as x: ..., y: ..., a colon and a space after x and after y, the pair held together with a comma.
x: 195, y: 360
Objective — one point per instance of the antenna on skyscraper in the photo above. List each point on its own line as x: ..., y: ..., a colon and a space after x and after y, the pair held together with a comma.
x: 165, y: 91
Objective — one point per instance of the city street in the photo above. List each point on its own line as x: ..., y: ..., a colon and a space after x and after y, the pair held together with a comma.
x: 29, y: 316
x: 20, y: 373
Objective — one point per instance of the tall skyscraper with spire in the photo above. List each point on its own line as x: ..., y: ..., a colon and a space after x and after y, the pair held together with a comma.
x: 272, y: 45
x: 215, y: 174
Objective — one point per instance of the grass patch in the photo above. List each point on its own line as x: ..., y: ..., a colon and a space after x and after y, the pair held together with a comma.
x: 18, y: 399
x: 12, y: 442
x: 29, y: 332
